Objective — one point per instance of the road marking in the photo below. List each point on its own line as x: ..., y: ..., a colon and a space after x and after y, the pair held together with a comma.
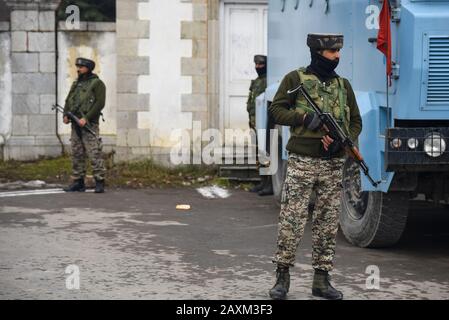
x: 157, y: 223
x: 262, y: 226
x: 213, y: 192
x: 32, y: 192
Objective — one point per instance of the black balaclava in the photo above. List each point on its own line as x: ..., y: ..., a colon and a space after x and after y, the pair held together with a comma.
x: 85, y: 76
x: 322, y: 67
x: 261, y: 71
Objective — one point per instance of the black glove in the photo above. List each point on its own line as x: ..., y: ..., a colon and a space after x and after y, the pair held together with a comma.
x: 312, y: 122
x: 252, y: 125
x: 335, y: 147
x: 332, y: 151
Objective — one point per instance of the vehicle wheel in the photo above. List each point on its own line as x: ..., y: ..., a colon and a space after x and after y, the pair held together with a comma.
x: 279, y: 177
x: 371, y: 219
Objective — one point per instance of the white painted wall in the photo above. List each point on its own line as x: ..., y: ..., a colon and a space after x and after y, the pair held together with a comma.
x: 5, y: 87
x: 165, y: 83
x: 100, y: 47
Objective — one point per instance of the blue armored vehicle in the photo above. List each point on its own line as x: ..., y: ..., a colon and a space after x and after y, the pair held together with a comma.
x: 405, y: 136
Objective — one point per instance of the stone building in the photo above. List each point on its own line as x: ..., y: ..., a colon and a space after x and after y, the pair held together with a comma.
x: 167, y: 65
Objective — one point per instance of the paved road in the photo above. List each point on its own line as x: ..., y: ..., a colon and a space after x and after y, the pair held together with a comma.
x: 134, y: 244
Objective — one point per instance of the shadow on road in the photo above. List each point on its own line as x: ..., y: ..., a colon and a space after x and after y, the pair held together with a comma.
x: 427, y: 229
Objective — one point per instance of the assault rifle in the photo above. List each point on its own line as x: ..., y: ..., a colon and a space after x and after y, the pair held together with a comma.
x: 337, y: 134
x: 74, y: 119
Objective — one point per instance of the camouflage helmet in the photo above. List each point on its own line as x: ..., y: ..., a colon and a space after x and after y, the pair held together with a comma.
x: 261, y: 59
x: 320, y: 41
x: 86, y: 63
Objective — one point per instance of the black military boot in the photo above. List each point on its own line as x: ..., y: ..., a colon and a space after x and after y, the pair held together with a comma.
x: 322, y: 288
x: 258, y: 186
x: 280, y: 289
x: 267, y: 189
x: 77, y: 185
x: 99, y: 186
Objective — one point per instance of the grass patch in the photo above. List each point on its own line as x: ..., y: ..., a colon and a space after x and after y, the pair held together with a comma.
x: 137, y: 174
x: 148, y: 174
x: 50, y: 170
x: 222, y: 182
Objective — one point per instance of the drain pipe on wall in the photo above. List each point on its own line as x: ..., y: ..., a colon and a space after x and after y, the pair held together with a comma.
x: 2, y: 142
x: 56, y: 84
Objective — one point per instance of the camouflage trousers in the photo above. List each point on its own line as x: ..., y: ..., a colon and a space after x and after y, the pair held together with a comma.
x: 303, y: 175
x: 87, y: 146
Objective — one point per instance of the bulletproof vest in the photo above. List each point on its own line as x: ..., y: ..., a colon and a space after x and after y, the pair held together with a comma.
x: 331, y: 98
x: 258, y: 86
x: 81, y: 96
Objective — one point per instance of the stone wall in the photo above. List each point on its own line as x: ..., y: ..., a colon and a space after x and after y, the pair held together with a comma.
x: 196, y: 67
x: 160, y: 65
x: 33, y: 85
x: 131, y: 142
x: 170, y: 42
x: 96, y: 41
x: 30, y: 57
x: 28, y: 126
x: 5, y: 85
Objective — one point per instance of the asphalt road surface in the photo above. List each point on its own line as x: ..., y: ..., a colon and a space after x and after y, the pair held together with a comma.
x: 135, y: 244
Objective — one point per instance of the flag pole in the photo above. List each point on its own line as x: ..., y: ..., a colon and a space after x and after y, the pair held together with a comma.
x: 388, y: 105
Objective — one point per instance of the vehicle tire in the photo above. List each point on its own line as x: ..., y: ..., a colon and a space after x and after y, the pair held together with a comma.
x: 279, y: 177
x: 371, y: 219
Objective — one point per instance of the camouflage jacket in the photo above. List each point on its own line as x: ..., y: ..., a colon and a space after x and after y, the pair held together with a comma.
x: 284, y: 112
x: 257, y: 87
x: 86, y: 98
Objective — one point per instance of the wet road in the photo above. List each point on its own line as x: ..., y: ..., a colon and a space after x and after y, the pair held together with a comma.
x: 134, y: 244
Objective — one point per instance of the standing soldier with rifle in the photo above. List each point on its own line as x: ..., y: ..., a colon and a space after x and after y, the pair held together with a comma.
x: 256, y: 88
x: 315, y: 160
x: 85, y: 100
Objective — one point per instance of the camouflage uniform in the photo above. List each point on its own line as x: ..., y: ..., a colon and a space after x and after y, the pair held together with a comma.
x: 85, y: 100
x: 85, y: 145
x: 310, y: 168
x: 303, y: 173
x: 256, y: 88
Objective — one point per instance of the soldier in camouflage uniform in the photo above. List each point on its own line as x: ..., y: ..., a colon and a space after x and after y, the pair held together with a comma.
x: 315, y: 162
x: 85, y: 100
x: 256, y: 88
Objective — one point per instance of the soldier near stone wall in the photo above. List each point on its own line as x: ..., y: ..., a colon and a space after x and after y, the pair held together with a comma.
x: 85, y: 100
x: 256, y: 88
x: 315, y: 162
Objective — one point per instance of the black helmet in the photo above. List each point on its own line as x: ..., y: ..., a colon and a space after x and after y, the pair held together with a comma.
x: 86, y: 63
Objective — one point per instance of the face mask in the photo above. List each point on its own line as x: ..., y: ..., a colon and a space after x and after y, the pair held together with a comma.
x: 322, y: 66
x: 82, y: 76
x: 324, y: 63
x: 261, y: 71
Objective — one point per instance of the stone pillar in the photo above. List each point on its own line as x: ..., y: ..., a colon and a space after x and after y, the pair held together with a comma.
x: 213, y: 83
x: 5, y: 83
x: 33, y: 80
x: 132, y: 142
x: 197, y: 65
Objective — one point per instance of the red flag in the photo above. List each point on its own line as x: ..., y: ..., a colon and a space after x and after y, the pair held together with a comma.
x: 384, y: 35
